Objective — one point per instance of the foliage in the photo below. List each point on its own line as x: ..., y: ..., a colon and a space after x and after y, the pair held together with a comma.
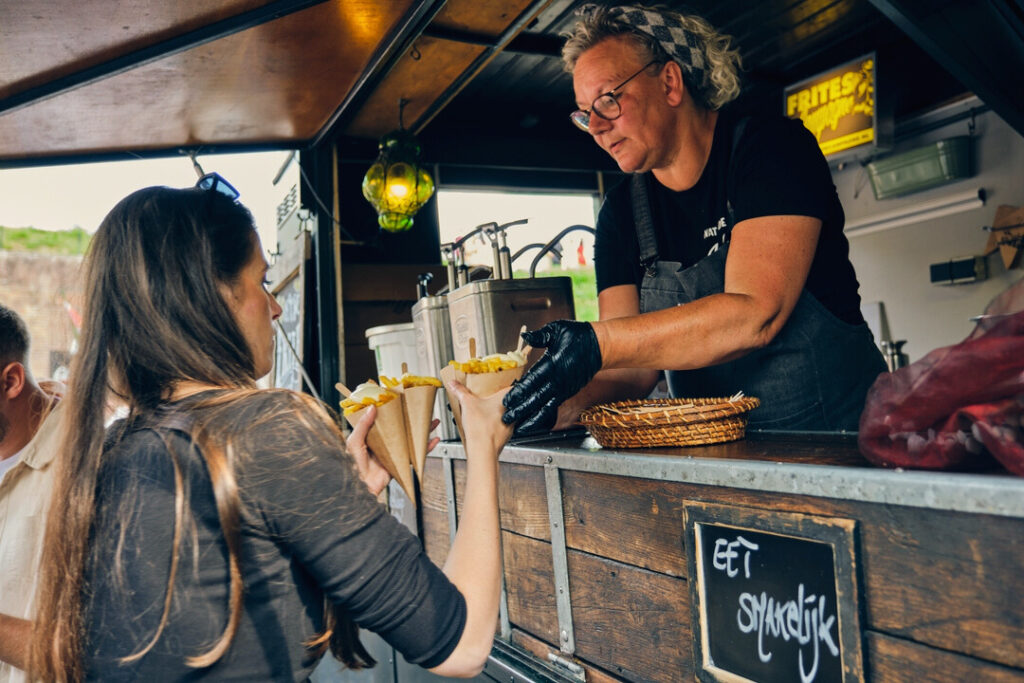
x: 584, y: 289
x: 67, y: 242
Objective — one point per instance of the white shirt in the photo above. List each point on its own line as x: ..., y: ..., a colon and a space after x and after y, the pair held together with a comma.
x: 24, y: 498
x: 8, y: 463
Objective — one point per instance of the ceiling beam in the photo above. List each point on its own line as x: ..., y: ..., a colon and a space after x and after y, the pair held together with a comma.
x: 526, y: 43
x: 388, y: 52
x: 153, y: 53
x: 479, y: 63
x: 974, y: 42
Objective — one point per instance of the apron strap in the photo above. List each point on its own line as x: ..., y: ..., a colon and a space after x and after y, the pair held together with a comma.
x: 644, y: 223
x: 646, y: 235
x: 737, y: 133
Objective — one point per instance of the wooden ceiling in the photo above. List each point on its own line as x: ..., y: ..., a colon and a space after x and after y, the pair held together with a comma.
x: 929, y: 53
x: 91, y: 79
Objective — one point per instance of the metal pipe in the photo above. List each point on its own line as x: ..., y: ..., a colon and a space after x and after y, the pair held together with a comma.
x: 448, y: 251
x: 505, y: 258
x: 503, y: 255
x: 457, y: 244
x: 557, y: 250
x: 555, y: 240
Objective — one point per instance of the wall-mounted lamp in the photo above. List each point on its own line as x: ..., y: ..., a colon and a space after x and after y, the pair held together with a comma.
x: 396, y: 185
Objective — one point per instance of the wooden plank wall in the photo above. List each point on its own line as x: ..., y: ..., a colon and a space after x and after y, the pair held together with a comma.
x: 941, y: 589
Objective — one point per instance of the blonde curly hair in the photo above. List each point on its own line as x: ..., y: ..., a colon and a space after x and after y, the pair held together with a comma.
x: 719, y: 79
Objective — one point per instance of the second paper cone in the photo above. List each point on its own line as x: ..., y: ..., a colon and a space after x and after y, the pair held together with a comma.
x: 481, y: 384
x: 487, y: 383
x: 449, y: 373
x: 389, y: 441
x: 419, y: 408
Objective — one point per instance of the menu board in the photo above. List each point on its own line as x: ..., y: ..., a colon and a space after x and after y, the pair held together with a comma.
x: 288, y: 335
x: 774, y: 596
x: 837, y: 106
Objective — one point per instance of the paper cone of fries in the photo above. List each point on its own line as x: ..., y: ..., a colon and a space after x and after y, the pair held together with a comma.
x: 419, y: 410
x: 388, y: 439
x: 449, y: 373
x: 480, y: 383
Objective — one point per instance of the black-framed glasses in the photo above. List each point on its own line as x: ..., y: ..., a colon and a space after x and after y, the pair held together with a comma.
x: 216, y: 182
x: 606, y: 105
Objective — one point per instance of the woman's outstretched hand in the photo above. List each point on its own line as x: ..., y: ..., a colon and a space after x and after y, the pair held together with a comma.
x: 370, y: 470
x: 481, y: 418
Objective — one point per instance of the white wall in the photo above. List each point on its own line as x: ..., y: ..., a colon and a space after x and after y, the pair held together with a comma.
x: 893, y: 265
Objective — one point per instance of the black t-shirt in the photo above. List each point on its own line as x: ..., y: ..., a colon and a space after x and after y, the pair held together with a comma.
x: 778, y: 169
x: 309, y: 529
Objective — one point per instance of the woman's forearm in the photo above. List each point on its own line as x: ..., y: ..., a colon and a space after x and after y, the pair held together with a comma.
x: 705, y: 332
x: 474, y: 564
x: 14, y: 640
x: 607, y: 385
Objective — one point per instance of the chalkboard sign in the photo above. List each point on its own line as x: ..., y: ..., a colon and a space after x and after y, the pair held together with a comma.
x: 286, y: 364
x: 774, y: 596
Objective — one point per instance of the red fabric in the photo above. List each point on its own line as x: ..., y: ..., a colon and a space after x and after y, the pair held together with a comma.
x: 959, y: 404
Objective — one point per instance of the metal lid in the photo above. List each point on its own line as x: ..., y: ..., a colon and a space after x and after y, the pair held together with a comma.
x: 429, y: 303
x: 384, y: 329
x: 562, y: 282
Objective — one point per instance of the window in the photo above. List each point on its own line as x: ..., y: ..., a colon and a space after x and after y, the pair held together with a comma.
x: 460, y: 211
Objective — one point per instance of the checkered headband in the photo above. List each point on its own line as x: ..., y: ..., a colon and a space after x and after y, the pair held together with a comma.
x: 681, y: 45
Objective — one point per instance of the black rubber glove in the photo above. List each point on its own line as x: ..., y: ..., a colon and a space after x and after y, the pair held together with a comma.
x: 572, y: 358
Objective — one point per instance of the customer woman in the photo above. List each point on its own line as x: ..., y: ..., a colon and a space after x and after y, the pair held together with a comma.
x: 222, y: 531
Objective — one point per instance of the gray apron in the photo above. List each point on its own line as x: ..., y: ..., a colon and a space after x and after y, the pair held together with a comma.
x: 814, y: 375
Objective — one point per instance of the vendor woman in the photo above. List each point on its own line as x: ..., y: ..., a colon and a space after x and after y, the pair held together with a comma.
x: 720, y: 259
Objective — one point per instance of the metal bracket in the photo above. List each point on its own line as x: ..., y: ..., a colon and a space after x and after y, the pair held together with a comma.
x: 575, y: 670
x: 556, y: 516
x: 505, y: 624
x: 510, y: 663
x: 449, y: 490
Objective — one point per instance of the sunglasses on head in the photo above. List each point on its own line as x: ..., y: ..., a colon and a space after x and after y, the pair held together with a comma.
x: 216, y: 182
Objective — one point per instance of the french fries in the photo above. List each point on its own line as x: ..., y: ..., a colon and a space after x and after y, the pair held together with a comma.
x: 367, y: 394
x: 407, y: 380
x: 484, y: 376
x: 492, y: 363
x: 401, y: 433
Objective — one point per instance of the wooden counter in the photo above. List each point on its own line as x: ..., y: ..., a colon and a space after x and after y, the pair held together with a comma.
x: 598, y: 560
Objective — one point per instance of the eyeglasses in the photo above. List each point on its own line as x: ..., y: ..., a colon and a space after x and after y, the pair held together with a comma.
x: 215, y: 181
x: 605, y: 105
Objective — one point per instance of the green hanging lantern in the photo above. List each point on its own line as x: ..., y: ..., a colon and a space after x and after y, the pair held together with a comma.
x: 396, y: 185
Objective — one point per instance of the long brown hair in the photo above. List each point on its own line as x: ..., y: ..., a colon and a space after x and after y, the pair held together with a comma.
x: 154, y: 316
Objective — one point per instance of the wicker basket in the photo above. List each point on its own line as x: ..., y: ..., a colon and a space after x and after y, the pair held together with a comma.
x: 668, y: 421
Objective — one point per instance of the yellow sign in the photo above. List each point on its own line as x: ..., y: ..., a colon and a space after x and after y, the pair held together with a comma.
x: 838, y: 106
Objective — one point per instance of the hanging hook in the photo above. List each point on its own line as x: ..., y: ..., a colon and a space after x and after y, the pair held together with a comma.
x: 415, y: 53
x: 195, y: 163
x: 401, y: 110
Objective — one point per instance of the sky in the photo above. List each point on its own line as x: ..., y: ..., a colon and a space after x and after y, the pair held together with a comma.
x: 80, y: 195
